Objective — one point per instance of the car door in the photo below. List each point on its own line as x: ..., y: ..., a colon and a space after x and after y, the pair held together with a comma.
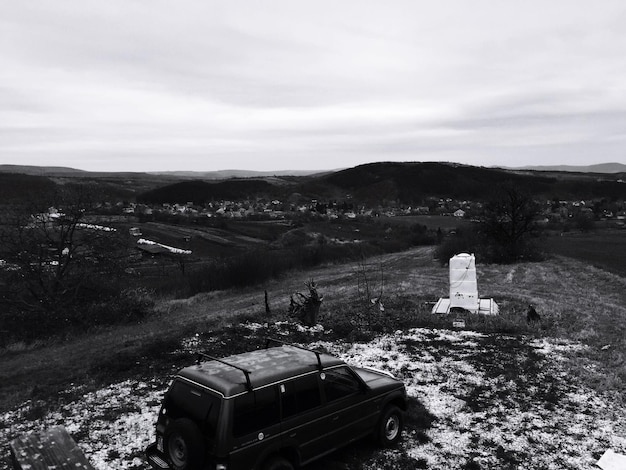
x: 351, y: 412
x: 302, y: 416
x: 255, y: 427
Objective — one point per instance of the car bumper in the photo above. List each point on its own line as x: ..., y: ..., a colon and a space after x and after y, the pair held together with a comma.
x: 156, y: 459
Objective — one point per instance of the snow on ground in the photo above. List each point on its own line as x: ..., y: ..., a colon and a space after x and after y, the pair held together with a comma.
x: 486, y: 418
x: 112, y: 426
x: 493, y: 402
x: 101, y: 228
x: 171, y: 249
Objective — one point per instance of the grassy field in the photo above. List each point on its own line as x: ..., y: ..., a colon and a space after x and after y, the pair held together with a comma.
x: 559, y: 385
x: 602, y: 248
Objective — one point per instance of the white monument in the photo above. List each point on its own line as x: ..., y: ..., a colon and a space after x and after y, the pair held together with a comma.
x: 464, y: 289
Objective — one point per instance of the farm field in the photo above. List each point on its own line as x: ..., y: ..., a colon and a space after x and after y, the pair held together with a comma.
x: 604, y: 248
x: 498, y: 394
x: 433, y: 222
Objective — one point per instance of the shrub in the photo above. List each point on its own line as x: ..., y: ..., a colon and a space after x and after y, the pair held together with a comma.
x: 131, y: 305
x: 464, y: 240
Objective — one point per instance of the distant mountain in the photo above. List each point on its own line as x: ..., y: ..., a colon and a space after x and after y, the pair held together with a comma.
x: 411, y: 183
x: 40, y: 170
x: 599, y: 168
x: 200, y: 192
x: 226, y: 174
x: 389, y: 182
x: 15, y: 187
x: 62, y: 171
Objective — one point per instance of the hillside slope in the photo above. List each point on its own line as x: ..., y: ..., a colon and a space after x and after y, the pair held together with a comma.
x: 576, y: 302
x: 404, y: 183
x: 201, y: 192
x: 409, y: 183
x: 514, y: 395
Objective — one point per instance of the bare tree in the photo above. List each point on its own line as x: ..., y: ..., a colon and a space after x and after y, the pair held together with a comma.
x: 365, y: 287
x: 57, y: 260
x: 509, y: 224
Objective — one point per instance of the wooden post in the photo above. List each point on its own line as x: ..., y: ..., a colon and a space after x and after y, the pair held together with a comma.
x: 267, y: 305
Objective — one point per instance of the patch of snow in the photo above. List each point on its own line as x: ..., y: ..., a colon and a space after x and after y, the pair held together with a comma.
x: 557, y: 347
x: 439, y: 368
x: 112, y: 426
x: 96, y: 227
x: 171, y: 249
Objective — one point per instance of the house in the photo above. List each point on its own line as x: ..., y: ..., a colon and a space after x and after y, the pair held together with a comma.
x: 459, y: 213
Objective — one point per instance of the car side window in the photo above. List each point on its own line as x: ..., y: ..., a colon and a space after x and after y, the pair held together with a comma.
x: 339, y: 383
x: 300, y: 395
x: 255, y: 411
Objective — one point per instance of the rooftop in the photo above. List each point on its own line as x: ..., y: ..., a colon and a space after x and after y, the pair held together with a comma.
x: 265, y: 366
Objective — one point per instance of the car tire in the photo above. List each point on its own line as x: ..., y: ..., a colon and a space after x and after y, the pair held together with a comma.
x: 390, y: 426
x: 278, y: 463
x: 184, y: 445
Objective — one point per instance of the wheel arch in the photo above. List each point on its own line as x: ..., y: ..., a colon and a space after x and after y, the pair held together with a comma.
x: 396, y: 399
x: 289, y: 453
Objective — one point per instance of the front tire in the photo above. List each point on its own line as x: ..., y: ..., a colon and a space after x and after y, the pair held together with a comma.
x: 390, y: 426
x: 184, y: 445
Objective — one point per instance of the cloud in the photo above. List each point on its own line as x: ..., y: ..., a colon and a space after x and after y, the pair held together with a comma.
x: 195, y: 84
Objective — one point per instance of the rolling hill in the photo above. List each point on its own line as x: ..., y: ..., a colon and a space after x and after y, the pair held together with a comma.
x: 599, y: 168
x: 407, y: 183
x: 403, y: 183
x: 201, y: 192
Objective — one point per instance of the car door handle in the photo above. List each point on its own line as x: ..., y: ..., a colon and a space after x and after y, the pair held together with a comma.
x: 292, y: 434
x: 335, y: 418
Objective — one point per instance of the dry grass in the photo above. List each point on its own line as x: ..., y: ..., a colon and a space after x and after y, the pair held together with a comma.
x: 576, y: 301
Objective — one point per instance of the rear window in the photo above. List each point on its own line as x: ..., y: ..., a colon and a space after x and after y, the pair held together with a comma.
x: 195, y: 402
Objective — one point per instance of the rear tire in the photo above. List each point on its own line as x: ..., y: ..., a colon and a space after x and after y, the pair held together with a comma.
x: 278, y: 463
x: 184, y: 445
x: 390, y: 426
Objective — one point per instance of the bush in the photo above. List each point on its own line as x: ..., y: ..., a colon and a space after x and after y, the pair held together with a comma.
x: 132, y: 305
x: 255, y: 267
x: 109, y: 308
x: 465, y: 240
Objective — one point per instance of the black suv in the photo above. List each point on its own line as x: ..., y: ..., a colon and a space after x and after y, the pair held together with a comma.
x: 270, y: 409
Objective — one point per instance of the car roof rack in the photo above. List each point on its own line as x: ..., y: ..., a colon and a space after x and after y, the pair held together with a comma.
x: 246, y: 372
x: 274, y: 340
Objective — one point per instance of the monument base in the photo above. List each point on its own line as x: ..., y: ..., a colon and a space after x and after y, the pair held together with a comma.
x: 485, y: 307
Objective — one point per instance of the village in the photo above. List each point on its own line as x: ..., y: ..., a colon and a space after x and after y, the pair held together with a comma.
x: 552, y: 211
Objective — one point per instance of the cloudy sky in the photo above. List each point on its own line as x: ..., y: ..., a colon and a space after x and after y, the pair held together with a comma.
x: 141, y: 85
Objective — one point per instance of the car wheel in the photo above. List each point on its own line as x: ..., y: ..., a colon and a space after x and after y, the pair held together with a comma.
x: 278, y: 463
x: 184, y: 445
x: 390, y: 426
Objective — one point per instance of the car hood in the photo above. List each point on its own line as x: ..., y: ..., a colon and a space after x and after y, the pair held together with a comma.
x: 378, y: 379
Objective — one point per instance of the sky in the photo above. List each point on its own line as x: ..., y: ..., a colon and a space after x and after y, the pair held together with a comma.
x: 154, y: 85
